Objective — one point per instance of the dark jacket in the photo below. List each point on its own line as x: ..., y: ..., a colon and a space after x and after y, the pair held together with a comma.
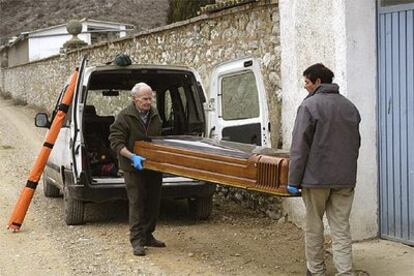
x: 326, y: 140
x: 128, y: 128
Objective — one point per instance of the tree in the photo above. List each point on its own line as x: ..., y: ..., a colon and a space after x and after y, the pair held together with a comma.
x: 184, y: 9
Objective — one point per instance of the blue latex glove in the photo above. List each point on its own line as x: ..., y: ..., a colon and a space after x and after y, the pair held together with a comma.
x: 137, y: 162
x: 292, y: 189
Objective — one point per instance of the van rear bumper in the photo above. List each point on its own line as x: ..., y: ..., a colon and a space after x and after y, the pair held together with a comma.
x: 88, y: 191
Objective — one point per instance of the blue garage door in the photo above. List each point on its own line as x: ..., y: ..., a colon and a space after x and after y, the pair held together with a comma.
x: 396, y: 122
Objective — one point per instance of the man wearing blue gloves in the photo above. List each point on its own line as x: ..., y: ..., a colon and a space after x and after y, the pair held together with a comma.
x: 324, y: 153
x: 138, y: 121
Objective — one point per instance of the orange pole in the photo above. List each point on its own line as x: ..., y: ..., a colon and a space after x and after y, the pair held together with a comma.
x: 20, y: 210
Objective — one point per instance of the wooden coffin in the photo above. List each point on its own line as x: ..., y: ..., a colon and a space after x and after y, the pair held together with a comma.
x: 227, y: 163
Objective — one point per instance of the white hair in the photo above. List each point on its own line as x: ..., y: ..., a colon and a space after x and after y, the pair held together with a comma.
x: 137, y: 87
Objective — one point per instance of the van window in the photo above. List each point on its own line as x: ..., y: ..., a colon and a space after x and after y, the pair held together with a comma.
x: 108, y: 105
x: 176, y: 96
x: 198, y: 103
x: 167, y: 105
x: 183, y: 98
x: 239, y: 96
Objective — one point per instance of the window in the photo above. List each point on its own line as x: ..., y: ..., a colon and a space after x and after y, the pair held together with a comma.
x: 167, y: 106
x: 108, y: 105
x: 183, y: 98
x: 239, y: 96
x: 99, y: 34
x: 198, y: 104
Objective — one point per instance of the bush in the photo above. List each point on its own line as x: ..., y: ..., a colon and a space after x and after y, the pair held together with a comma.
x: 19, y: 101
x: 185, y: 9
x: 6, y: 95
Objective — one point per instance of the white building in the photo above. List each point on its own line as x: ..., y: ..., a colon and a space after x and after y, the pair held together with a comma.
x: 43, y: 43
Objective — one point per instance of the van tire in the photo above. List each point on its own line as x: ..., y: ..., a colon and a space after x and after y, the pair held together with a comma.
x: 200, y: 207
x: 73, y: 210
x: 49, y: 190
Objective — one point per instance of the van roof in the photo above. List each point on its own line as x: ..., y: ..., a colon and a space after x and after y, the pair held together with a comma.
x: 138, y: 66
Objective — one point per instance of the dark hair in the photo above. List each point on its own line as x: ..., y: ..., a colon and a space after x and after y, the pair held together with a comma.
x: 319, y: 71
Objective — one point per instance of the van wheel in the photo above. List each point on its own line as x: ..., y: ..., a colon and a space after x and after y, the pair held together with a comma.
x: 49, y: 190
x: 73, y: 210
x: 200, y: 207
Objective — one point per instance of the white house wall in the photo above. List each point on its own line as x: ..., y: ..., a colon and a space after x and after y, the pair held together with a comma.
x: 43, y: 44
x: 46, y: 43
x: 340, y: 34
x: 43, y: 47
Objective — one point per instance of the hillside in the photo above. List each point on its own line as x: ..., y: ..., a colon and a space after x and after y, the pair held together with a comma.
x: 18, y: 16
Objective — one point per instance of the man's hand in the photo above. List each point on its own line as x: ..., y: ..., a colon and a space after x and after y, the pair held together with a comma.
x: 292, y: 189
x: 137, y: 162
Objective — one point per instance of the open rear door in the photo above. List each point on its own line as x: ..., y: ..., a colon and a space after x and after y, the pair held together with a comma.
x: 76, y: 139
x: 238, y: 107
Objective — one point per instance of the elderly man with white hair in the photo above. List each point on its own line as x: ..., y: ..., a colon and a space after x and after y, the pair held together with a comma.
x: 138, y: 121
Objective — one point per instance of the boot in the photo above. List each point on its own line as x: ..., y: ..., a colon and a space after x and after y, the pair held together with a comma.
x: 139, y: 250
x: 153, y: 242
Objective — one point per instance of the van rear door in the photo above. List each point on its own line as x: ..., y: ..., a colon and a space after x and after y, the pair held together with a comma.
x: 237, y: 107
x: 75, y: 142
x: 59, y: 157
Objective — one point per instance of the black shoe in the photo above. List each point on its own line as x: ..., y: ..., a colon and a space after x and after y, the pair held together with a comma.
x: 139, y: 250
x: 153, y: 242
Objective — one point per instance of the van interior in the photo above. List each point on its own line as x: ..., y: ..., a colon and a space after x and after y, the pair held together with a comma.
x: 178, y: 98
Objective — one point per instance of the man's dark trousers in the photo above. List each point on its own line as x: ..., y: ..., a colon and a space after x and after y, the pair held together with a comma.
x: 144, y: 192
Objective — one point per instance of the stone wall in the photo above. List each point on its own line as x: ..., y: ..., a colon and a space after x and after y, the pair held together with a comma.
x: 250, y: 30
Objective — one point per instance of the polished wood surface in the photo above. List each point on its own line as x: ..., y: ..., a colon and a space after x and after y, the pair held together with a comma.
x: 227, y: 165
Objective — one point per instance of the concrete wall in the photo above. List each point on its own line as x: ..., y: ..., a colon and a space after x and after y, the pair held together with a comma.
x: 340, y: 34
x: 47, y: 43
x: 18, y: 54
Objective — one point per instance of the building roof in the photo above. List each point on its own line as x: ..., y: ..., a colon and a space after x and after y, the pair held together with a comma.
x: 87, y: 20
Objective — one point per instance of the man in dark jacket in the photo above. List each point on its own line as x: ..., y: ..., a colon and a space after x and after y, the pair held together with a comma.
x: 324, y: 153
x: 138, y: 121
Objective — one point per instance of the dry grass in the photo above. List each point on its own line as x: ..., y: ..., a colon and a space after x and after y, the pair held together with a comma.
x: 19, y: 101
x: 5, y: 95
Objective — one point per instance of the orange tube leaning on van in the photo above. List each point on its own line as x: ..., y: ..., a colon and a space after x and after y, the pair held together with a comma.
x: 20, y: 210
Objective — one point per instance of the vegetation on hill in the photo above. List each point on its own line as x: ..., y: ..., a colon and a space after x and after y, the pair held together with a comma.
x: 184, y: 9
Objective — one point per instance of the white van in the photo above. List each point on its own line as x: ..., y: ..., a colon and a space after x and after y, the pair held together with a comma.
x: 84, y: 169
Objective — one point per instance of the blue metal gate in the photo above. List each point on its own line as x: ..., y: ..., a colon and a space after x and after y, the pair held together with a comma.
x: 396, y: 122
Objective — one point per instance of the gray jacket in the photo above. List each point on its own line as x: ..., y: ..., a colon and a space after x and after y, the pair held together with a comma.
x: 326, y: 140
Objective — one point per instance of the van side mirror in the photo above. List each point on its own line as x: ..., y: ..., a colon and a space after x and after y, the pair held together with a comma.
x: 41, y: 120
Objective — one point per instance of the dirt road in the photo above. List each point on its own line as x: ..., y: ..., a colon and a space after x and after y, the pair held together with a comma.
x: 234, y: 241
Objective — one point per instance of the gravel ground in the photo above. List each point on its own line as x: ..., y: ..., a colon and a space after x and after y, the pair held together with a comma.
x: 235, y: 241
